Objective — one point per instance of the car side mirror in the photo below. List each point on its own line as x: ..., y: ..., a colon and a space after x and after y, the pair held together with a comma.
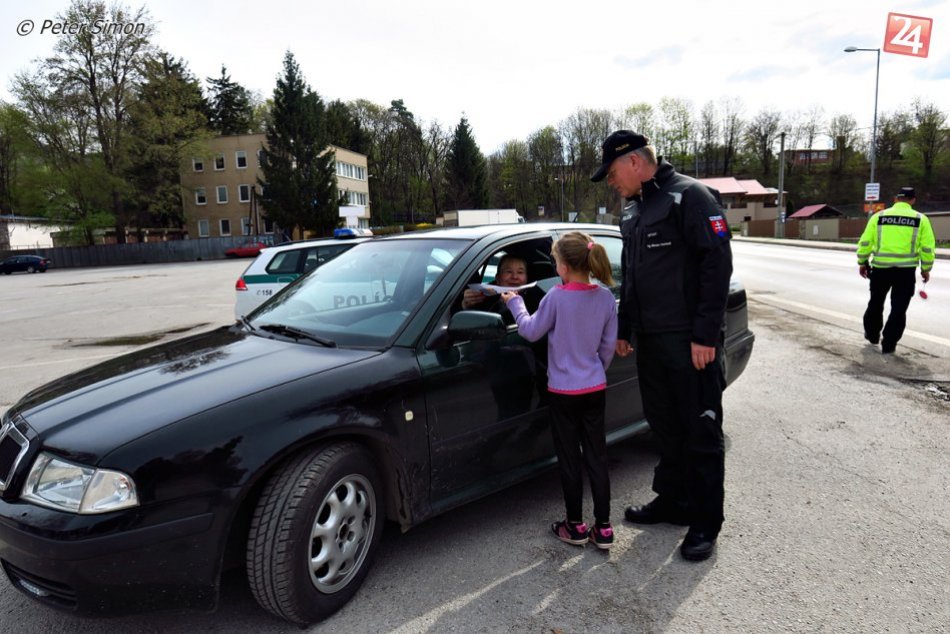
x: 476, y: 324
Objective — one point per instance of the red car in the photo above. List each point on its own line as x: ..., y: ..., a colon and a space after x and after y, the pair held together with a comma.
x: 246, y: 250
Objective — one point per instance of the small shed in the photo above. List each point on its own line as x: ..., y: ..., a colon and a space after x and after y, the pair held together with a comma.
x: 814, y: 212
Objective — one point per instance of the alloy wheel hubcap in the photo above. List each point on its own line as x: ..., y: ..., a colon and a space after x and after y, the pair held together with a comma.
x: 342, y: 532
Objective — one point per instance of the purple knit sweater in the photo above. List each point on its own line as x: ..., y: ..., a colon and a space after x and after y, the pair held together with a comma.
x: 581, y: 323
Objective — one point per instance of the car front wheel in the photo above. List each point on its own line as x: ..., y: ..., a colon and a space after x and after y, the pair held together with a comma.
x: 314, y: 532
x: 30, y: 269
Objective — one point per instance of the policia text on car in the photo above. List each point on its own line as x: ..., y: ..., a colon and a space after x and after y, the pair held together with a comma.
x: 895, y: 241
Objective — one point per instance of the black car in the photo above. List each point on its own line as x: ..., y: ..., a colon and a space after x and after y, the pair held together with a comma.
x: 360, y: 393
x: 28, y: 263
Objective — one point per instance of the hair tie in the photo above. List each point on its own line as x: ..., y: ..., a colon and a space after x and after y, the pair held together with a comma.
x: 590, y: 245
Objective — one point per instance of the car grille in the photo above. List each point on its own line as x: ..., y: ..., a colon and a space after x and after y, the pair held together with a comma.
x: 59, y: 594
x: 13, y: 446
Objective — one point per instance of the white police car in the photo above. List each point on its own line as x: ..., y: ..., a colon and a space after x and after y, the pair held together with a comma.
x: 276, y: 267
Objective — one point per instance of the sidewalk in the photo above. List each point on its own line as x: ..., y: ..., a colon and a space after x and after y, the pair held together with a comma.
x: 941, y: 253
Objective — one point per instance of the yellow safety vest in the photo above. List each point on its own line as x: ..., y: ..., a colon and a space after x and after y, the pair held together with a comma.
x: 898, y: 237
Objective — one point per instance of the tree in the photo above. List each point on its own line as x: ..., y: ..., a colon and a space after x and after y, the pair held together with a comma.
x: 101, y: 69
x: 708, y: 137
x: 760, y: 138
x: 677, y: 130
x: 76, y: 186
x: 465, y: 170
x: 229, y: 106
x: 546, y: 153
x: 843, y: 131
x: 893, y: 130
x: 299, y: 183
x: 930, y: 135
x: 16, y: 156
x: 811, y: 126
x: 344, y: 128
x: 167, y: 122
x: 732, y: 129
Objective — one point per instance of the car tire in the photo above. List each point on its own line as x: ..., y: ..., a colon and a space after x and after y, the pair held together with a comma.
x: 325, y: 506
x: 30, y: 269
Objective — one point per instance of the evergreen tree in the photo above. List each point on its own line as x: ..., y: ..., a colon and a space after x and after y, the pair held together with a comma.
x: 465, y: 170
x: 344, y: 129
x: 167, y: 122
x: 230, y: 110
x: 299, y: 183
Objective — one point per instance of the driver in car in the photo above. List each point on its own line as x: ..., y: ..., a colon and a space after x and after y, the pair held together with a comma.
x: 512, y: 272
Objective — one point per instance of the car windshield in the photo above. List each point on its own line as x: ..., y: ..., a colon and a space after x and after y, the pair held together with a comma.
x: 360, y: 298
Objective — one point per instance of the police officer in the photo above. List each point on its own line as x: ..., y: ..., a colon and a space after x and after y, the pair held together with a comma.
x: 895, y: 240
x: 676, y: 269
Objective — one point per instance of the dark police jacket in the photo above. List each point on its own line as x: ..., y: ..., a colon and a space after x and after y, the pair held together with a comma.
x: 676, y: 260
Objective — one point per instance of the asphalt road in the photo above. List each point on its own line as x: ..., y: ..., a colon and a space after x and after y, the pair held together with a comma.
x: 838, y: 514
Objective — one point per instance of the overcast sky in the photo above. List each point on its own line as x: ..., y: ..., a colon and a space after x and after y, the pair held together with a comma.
x: 513, y: 67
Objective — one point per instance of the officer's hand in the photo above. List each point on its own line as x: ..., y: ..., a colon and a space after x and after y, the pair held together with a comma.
x: 863, y: 270
x: 623, y: 348
x: 702, y: 355
x: 508, y: 296
x: 925, y: 276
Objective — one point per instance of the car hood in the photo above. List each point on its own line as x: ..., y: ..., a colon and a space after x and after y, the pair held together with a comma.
x: 86, y: 414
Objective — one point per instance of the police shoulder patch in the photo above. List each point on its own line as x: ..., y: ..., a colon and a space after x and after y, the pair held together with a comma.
x: 719, y: 226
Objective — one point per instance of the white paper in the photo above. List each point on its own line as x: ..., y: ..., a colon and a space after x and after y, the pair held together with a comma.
x: 491, y: 289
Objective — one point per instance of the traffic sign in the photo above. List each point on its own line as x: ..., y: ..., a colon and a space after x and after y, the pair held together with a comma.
x: 907, y: 35
x: 872, y: 191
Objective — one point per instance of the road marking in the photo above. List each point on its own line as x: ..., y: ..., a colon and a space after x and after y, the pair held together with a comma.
x: 41, y: 363
x: 769, y: 299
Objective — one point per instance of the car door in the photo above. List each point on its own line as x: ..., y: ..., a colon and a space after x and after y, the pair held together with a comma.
x: 485, y: 400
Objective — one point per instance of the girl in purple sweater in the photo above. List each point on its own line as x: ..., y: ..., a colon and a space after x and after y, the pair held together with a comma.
x: 580, y: 319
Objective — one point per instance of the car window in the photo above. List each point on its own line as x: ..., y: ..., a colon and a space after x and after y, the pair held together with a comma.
x: 318, y: 256
x: 364, y: 295
x: 285, y: 262
x: 614, y: 247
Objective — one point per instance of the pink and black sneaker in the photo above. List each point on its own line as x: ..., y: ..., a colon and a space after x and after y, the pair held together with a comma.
x: 570, y: 532
x: 602, y: 536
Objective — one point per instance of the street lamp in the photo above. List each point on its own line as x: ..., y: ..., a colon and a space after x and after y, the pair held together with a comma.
x: 877, y: 77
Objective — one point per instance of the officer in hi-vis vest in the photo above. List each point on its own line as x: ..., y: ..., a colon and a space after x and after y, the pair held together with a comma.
x: 895, y: 240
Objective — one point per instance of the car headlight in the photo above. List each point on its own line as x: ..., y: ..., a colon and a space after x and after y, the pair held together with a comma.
x: 66, y: 486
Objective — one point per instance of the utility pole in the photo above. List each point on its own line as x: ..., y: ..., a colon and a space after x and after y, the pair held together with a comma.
x: 781, y: 187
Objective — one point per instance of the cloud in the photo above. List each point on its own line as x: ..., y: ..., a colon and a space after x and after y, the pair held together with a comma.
x: 672, y: 55
x: 759, y: 73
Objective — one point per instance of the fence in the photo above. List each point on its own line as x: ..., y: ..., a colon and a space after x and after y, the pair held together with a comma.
x: 138, y: 253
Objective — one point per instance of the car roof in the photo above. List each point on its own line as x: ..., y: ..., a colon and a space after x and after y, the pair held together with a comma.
x: 482, y: 231
x: 297, y: 244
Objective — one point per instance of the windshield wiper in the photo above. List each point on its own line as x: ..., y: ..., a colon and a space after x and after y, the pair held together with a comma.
x: 297, y: 333
x: 247, y: 323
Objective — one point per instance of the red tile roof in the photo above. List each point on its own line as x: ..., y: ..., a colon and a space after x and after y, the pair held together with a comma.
x: 811, y: 210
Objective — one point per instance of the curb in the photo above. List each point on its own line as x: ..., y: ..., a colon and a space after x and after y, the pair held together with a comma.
x: 941, y: 253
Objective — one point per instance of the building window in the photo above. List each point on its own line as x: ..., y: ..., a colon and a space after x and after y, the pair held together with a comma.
x: 204, y: 229
x: 259, y: 154
x: 268, y: 225
x: 356, y: 198
x: 240, y: 159
x: 348, y: 170
x: 245, y: 226
x: 225, y: 226
x: 198, y: 165
x: 222, y: 194
x: 244, y: 193
x: 201, y: 198
x: 219, y: 162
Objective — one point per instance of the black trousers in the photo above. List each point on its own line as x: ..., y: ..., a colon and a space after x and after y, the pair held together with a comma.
x: 683, y: 406
x: 578, y: 423
x: 899, y: 282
